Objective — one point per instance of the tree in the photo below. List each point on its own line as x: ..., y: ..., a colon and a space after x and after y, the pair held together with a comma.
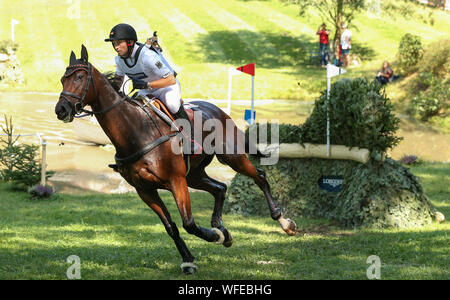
x: 337, y: 12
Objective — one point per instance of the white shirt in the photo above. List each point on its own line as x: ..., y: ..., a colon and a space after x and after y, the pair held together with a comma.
x: 345, y: 39
x: 145, y: 64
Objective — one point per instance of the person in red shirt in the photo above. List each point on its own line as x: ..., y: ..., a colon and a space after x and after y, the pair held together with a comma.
x: 323, y: 44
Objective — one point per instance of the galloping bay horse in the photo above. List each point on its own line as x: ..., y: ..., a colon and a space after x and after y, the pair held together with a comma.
x: 145, y: 158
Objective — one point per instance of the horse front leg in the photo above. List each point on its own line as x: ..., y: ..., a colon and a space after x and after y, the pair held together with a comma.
x: 200, y: 180
x: 180, y: 192
x: 152, y: 199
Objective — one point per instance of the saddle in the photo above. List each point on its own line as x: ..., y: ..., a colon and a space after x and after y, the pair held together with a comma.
x: 155, y: 104
x: 187, y: 107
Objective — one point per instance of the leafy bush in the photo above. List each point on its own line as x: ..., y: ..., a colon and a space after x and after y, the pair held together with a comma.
x: 360, y: 116
x: 430, y: 91
x: 436, y: 59
x: 373, y: 194
x: 410, y: 52
x: 432, y: 102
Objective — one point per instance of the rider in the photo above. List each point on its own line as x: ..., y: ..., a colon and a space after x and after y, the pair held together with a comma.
x: 148, y: 71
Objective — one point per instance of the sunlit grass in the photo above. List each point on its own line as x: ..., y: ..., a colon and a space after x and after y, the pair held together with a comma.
x: 118, y: 237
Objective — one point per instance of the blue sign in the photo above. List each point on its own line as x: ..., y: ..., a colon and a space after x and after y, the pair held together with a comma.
x: 331, y: 183
x: 248, y: 114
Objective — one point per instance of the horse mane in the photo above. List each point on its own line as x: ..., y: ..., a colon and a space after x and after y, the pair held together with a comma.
x: 109, y: 76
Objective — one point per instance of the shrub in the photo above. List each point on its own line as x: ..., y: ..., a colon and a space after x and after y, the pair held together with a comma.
x: 430, y: 91
x: 19, y: 163
x: 431, y: 102
x: 360, y: 116
x: 410, y: 52
x: 374, y: 194
x: 436, y: 59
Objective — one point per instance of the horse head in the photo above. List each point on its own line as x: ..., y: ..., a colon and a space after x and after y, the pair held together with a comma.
x: 78, y: 87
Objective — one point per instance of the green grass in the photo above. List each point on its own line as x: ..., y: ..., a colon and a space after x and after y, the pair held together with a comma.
x: 203, y: 40
x: 118, y: 237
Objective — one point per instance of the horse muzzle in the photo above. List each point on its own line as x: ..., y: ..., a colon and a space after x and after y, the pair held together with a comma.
x: 65, y: 111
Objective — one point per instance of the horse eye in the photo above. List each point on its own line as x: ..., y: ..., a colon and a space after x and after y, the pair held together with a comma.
x: 80, y: 76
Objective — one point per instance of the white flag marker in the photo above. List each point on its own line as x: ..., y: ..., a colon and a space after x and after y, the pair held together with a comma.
x: 332, y: 71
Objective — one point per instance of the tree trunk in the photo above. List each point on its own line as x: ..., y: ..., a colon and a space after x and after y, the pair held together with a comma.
x: 337, y: 35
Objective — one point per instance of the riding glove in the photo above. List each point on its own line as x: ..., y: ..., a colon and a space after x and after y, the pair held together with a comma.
x: 139, y: 84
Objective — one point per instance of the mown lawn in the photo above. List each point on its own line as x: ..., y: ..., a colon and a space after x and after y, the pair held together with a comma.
x: 118, y: 237
x: 203, y: 38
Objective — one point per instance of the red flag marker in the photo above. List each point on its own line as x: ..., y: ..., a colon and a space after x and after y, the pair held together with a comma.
x: 248, y: 69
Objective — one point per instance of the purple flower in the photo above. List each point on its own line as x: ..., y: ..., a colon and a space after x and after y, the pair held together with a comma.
x: 40, y: 191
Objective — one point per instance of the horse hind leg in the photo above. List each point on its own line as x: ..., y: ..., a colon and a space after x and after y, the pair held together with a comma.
x: 180, y: 191
x: 152, y: 199
x: 200, y: 180
x: 241, y: 164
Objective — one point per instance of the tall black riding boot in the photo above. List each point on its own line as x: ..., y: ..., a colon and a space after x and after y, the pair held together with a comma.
x: 182, y: 114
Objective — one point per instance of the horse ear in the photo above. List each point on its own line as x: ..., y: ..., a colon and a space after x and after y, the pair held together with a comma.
x: 73, y: 59
x: 84, y: 53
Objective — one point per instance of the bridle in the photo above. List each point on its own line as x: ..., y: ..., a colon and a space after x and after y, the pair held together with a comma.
x: 70, y: 70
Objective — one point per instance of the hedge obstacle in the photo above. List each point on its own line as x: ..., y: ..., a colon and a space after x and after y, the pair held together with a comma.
x: 357, y: 185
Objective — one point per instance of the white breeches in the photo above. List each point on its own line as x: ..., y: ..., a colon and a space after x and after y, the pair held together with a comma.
x: 170, y: 96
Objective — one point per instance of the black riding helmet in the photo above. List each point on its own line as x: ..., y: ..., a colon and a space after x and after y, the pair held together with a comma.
x: 122, y: 31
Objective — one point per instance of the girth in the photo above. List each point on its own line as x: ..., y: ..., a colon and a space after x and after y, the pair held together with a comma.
x: 136, y: 156
x: 162, y: 139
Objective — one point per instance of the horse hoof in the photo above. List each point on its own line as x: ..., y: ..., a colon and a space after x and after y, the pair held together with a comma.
x: 221, y: 236
x: 228, y: 238
x: 188, y: 268
x: 288, y: 226
x: 292, y: 228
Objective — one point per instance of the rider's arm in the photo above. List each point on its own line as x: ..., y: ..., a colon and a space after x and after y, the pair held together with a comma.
x: 154, y: 64
x: 163, y: 82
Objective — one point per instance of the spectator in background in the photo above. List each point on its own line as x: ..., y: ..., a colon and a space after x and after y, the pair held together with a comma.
x: 346, y: 44
x: 323, y: 44
x: 386, y: 74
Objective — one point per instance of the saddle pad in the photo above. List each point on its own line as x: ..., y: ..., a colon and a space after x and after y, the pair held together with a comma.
x: 187, y: 107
